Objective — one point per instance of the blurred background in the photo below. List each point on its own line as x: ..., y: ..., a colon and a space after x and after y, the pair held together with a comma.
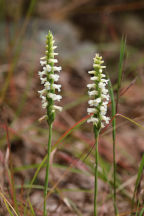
x: 81, y: 28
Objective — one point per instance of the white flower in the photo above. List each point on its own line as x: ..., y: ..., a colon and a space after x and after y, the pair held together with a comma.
x: 99, y: 93
x: 53, y: 60
x: 103, y: 75
x: 42, y: 73
x: 94, y: 78
x: 43, y: 99
x: 96, y: 65
x: 101, y: 85
x: 47, y: 85
x: 43, y: 63
x: 44, y: 105
x: 43, y: 58
x: 55, y: 68
x: 55, y: 77
x: 56, y: 86
x: 94, y: 102
x: 43, y: 80
x: 91, y: 110
x: 54, y: 96
x: 48, y: 79
x: 90, y: 86
x: 93, y: 120
x: 104, y: 96
x: 91, y: 72
x: 100, y: 70
x: 106, y: 119
x: 48, y: 68
x: 41, y: 92
x: 57, y: 108
x: 104, y: 91
x: 92, y: 93
x: 54, y: 53
x: 104, y: 81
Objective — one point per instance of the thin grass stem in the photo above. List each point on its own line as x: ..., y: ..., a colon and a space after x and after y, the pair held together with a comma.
x: 114, y: 145
x: 96, y: 132
x: 47, y: 169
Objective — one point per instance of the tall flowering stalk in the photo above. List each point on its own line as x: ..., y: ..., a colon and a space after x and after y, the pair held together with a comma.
x: 98, y: 102
x: 49, y: 96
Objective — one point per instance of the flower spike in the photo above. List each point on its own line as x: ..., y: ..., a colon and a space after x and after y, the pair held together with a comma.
x: 48, y: 79
x: 98, y: 95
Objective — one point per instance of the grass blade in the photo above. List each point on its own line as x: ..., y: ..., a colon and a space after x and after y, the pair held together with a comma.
x: 139, y: 175
x: 31, y: 208
x: 131, y: 120
x: 113, y: 106
x: 142, y: 212
x: 120, y: 68
x: 8, y: 205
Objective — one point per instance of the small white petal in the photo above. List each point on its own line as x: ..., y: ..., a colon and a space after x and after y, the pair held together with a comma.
x: 94, y: 102
x: 105, y: 96
x: 91, y: 72
x: 102, y: 125
x: 91, y: 110
x: 91, y: 93
x: 106, y: 119
x: 103, y: 108
x: 91, y: 85
x: 53, y: 60
x: 94, y: 78
x: 54, y: 53
x: 55, y: 77
x: 43, y: 99
x: 104, y: 81
x: 43, y: 63
x: 44, y: 105
x: 40, y: 73
x: 96, y: 65
x: 41, y: 92
x: 57, y: 108
x: 47, y: 85
x: 101, y: 85
x: 47, y: 68
x: 55, y: 68
x: 93, y: 120
x: 56, y: 86
x: 103, y: 75
x: 43, y: 58
x: 54, y: 47
x: 105, y: 103
x: 43, y: 80
x: 55, y: 97
x: 104, y: 91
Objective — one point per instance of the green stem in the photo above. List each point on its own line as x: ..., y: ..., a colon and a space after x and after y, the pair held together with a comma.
x: 114, y: 167
x: 96, y: 170
x: 47, y: 169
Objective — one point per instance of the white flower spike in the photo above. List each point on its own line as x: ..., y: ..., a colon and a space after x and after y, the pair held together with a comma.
x: 48, y: 79
x: 98, y: 93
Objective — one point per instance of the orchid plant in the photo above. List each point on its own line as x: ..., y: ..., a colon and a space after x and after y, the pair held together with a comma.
x: 48, y: 95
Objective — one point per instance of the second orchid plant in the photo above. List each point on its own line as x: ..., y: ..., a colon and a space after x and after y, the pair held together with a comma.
x: 98, y: 102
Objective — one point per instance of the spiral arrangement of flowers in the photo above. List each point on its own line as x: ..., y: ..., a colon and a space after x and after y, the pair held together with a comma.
x: 98, y: 94
x: 48, y: 79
